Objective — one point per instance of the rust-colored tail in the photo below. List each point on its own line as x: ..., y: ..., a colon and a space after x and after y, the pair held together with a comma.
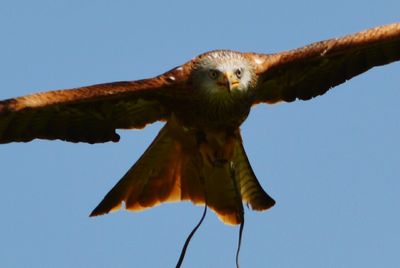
x: 172, y: 169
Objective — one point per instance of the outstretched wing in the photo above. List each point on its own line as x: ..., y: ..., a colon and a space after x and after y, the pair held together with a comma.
x: 312, y: 70
x: 89, y: 114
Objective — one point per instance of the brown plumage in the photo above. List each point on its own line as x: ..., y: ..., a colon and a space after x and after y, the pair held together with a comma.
x: 198, y: 155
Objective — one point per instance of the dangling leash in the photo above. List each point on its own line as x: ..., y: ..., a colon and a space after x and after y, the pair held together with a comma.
x: 183, y: 251
x: 233, y: 176
x: 239, y: 243
x: 185, y: 246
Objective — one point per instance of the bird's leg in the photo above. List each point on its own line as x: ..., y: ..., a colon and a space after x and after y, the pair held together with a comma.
x: 216, y: 148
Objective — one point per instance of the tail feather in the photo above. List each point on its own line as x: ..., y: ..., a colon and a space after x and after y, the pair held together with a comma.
x: 162, y: 174
x: 222, y: 194
x: 250, y: 189
x: 172, y: 169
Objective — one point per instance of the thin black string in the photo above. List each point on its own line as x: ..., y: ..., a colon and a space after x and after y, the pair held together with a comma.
x: 183, y: 252
x: 239, y: 243
x: 233, y: 176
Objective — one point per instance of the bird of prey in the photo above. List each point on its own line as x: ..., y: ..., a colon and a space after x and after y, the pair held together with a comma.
x: 198, y: 155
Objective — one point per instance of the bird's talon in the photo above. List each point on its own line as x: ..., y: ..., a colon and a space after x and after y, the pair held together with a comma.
x: 219, y: 162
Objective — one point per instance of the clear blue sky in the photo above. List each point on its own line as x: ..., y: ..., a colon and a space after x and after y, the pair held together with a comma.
x: 332, y: 163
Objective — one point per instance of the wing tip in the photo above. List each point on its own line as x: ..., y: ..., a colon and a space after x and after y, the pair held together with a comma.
x: 103, y: 208
x: 97, y: 212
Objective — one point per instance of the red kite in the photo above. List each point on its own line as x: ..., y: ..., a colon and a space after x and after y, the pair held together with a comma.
x: 198, y: 155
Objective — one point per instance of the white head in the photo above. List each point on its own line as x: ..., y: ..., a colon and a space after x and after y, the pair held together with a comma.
x: 223, y: 73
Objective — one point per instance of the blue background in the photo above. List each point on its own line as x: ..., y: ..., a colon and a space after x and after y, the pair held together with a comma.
x: 332, y: 163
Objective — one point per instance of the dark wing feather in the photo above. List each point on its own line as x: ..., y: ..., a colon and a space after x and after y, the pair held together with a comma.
x: 312, y: 70
x: 88, y: 114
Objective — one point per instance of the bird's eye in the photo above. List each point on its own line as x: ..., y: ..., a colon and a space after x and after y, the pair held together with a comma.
x: 239, y: 73
x: 213, y: 74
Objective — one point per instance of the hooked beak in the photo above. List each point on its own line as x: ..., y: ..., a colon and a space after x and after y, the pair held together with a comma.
x: 228, y: 81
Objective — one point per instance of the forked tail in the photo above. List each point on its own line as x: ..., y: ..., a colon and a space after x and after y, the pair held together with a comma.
x: 172, y: 169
